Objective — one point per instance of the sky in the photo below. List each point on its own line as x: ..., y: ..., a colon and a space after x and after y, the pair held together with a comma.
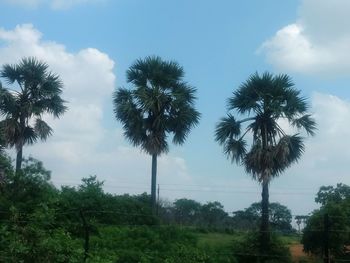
x: 91, y: 44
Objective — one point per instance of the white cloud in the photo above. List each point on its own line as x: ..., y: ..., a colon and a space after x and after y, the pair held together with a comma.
x: 54, y: 4
x: 316, y: 43
x: 81, y: 144
x: 329, y: 151
x: 326, y: 157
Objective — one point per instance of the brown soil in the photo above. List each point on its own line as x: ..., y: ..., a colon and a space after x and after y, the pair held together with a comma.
x: 297, y: 252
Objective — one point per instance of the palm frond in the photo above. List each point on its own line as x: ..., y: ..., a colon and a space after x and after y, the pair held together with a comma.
x: 306, y: 122
x: 246, y: 98
x: 29, y: 136
x: 9, y: 73
x: 183, y: 93
x: 42, y: 129
x: 259, y: 162
x: 154, y: 71
x: 155, y: 143
x: 32, y: 71
x: 288, y: 151
x: 235, y: 150
x: 228, y: 128
x: 54, y: 105
x: 181, y: 122
x: 8, y: 103
x: 11, y: 130
x: 52, y: 85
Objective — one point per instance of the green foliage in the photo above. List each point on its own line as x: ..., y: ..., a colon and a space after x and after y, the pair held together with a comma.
x: 209, y: 217
x: 151, y: 244
x: 29, y: 228
x: 336, y: 194
x: 40, y: 223
x: 335, y: 203
x: 280, y: 217
x: 213, y: 214
x: 248, y: 250
x: 187, y: 211
x: 44, y: 224
x: 314, y: 235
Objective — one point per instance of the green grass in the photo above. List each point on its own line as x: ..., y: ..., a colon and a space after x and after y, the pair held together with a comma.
x: 216, y: 240
x: 290, y: 239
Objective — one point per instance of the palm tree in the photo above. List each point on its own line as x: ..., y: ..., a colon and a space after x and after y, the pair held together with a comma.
x: 263, y: 101
x: 160, y: 104
x: 36, y: 91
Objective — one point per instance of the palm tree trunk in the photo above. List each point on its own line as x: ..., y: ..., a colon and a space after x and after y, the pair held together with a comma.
x: 19, y: 158
x: 20, y: 146
x: 264, y: 228
x: 154, y: 184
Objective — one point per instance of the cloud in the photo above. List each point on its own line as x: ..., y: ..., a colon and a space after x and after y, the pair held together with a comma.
x: 54, y: 4
x: 326, y: 157
x: 82, y: 143
x: 317, y: 43
x: 329, y: 152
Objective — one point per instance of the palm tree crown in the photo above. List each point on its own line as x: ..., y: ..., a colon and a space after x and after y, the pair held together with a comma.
x: 264, y: 101
x: 36, y: 92
x: 160, y: 104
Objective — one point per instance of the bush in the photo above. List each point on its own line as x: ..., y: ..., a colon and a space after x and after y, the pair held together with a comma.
x: 247, y: 250
x: 161, y: 244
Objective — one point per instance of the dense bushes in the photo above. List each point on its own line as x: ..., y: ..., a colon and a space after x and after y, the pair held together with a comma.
x: 150, y: 244
x: 40, y: 223
x: 247, y: 250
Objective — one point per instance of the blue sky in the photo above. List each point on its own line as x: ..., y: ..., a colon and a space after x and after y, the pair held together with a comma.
x: 91, y: 43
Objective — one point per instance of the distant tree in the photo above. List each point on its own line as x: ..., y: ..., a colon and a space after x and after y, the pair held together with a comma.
x: 36, y: 92
x: 336, y: 194
x: 335, y: 202
x: 263, y: 101
x: 213, y: 214
x: 301, y: 220
x: 314, y: 232
x: 187, y: 211
x: 160, y: 104
x: 280, y: 217
x: 244, y: 220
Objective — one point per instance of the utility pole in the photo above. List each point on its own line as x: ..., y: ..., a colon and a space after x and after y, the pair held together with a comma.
x: 326, y: 238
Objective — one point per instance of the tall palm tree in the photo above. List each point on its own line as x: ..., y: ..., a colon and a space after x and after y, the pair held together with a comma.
x: 160, y: 104
x: 36, y: 91
x: 263, y: 101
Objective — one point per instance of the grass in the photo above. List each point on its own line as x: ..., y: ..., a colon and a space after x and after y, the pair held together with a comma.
x: 223, y: 242
x: 216, y: 240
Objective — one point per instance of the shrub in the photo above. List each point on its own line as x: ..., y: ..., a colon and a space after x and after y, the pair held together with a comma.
x: 247, y: 250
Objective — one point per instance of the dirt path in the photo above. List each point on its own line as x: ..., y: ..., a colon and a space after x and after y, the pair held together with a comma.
x: 297, y: 252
